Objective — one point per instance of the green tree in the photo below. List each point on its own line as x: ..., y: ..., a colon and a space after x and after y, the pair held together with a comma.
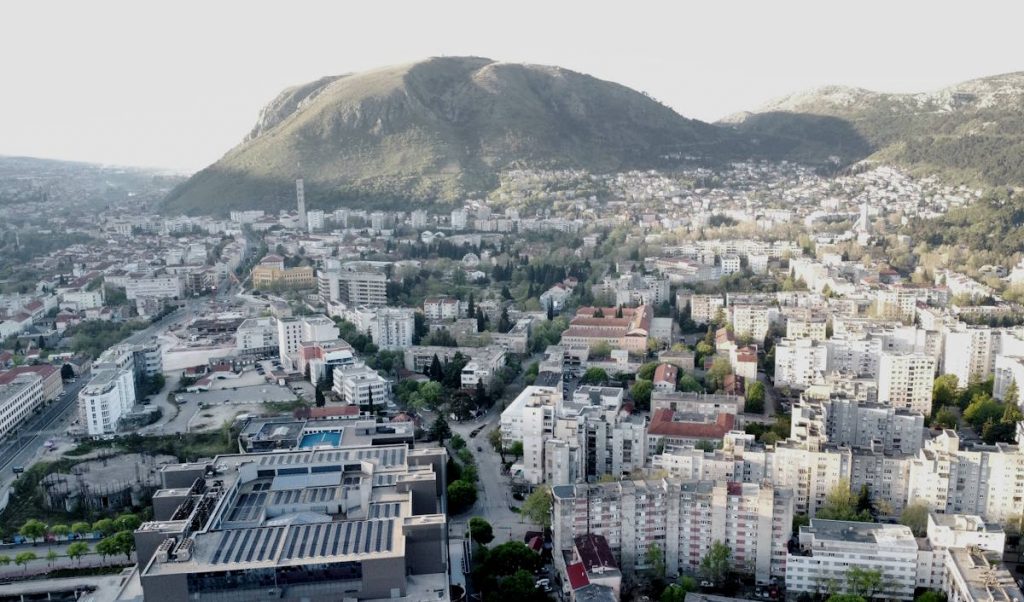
x: 76, y: 550
x: 931, y: 596
x: 641, y: 393
x: 714, y: 379
x: 863, y: 582
x: 845, y: 598
x: 594, y: 376
x: 1012, y: 394
x: 983, y: 409
x: 5, y: 560
x: 518, y: 587
x: 494, y: 438
x: 51, y: 555
x: 715, y: 565
x: 654, y: 558
x: 841, y: 504
x: 511, y: 557
x: 439, y: 430
x: 457, y: 442
x: 944, y: 390
x: 755, y: 398
x: 646, y: 372
x: 127, y: 522
x: 537, y: 506
x: 33, y: 529
x: 915, y: 516
x: 947, y: 417
x: 800, y: 520
x: 461, y: 496
x: 81, y: 528
x: 104, y: 526
x: 481, y: 531
x: 23, y: 558
x: 106, y: 547
x: 601, y: 350
x: 124, y: 542
x: 688, y: 384
x: 516, y: 449
x: 676, y: 592
x: 59, y: 530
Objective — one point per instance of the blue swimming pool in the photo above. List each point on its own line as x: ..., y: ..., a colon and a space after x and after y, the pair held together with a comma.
x: 316, y: 439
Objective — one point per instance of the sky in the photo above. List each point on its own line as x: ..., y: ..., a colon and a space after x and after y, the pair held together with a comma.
x: 177, y: 84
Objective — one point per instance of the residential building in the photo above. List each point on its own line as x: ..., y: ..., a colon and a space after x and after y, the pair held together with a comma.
x: 18, y: 398
x: 393, y: 327
x: 257, y: 337
x: 799, y: 363
x: 442, y: 308
x: 969, y: 353
x: 665, y: 378
x: 295, y: 330
x: 848, y: 422
x: 704, y: 308
x: 974, y: 576
x: 51, y: 382
x: 752, y: 321
x: 595, y: 326
x: 682, y: 518
x: 361, y: 385
x: 829, y: 549
x: 159, y: 287
x: 905, y: 381
x: 109, y: 395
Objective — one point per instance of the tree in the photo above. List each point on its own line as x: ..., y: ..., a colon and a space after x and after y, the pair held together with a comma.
x: 654, y: 558
x: 915, y: 516
x: 594, y: 376
x: 51, y: 555
x: 947, y: 417
x: 318, y: 398
x: 81, y: 528
x: 59, y: 530
x: 931, y: 596
x: 77, y: 549
x: 1012, y: 394
x: 537, y: 507
x: 863, y: 582
x: 845, y: 598
x: 124, y: 542
x: 23, y: 558
x: 715, y: 377
x: 494, y: 438
x: 841, y: 504
x: 676, y: 592
x: 982, y: 409
x: 104, y: 526
x: 715, y: 565
x: 461, y: 496
x: 439, y: 430
x: 106, y: 547
x: 5, y: 559
x: 457, y: 442
x: 127, y: 522
x: 646, y: 372
x: 689, y: 384
x: 67, y: 372
x: 755, y: 398
x: 33, y: 529
x: 518, y: 587
x: 511, y: 557
x: 641, y: 393
x: 516, y: 449
x: 481, y: 531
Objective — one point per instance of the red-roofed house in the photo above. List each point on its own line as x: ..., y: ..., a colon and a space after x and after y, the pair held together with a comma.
x: 671, y: 429
x: 334, y: 412
x: 52, y: 383
x: 576, y: 575
x: 744, y: 362
x: 665, y: 377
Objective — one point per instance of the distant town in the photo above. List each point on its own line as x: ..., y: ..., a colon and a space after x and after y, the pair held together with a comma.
x: 748, y: 381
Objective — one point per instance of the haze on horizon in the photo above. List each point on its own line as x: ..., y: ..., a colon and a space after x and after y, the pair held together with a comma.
x: 177, y: 85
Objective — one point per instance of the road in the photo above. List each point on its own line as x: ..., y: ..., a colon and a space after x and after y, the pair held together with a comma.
x: 32, y: 434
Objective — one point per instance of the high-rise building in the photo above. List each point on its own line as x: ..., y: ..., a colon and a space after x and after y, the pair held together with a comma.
x: 18, y: 399
x: 109, y: 395
x: 905, y: 381
x: 300, y: 196
x: 392, y: 327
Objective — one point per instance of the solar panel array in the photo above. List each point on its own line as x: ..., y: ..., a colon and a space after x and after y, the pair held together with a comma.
x: 387, y: 456
x: 248, y: 545
x: 329, y: 539
x: 316, y: 495
x: 249, y: 507
x: 385, y: 510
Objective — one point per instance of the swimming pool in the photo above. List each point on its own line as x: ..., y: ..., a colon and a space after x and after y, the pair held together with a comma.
x: 318, y: 439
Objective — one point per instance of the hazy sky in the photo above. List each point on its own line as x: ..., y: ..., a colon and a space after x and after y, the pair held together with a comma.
x: 176, y: 84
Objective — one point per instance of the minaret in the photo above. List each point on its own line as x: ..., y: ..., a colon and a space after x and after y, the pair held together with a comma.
x: 300, y: 194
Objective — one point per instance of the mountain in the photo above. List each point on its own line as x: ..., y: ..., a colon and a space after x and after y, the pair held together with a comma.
x: 972, y: 131
x: 438, y: 130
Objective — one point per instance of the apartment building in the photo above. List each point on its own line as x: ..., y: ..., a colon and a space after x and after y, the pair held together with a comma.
x: 353, y: 288
x: 158, y: 287
x: 442, y: 308
x: 799, y: 363
x: 393, y: 327
x: 293, y: 331
x: 51, y: 382
x: 683, y: 518
x: 905, y: 381
x: 809, y: 473
x: 969, y: 353
x: 109, y: 395
x: 856, y: 424
x: 358, y: 384
x: 752, y: 321
x: 257, y: 337
x: 804, y: 324
x: 704, y: 308
x: 18, y: 398
x: 530, y: 419
x: 853, y: 354
x: 830, y: 548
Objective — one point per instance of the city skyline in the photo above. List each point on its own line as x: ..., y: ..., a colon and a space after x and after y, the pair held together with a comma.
x: 125, y: 84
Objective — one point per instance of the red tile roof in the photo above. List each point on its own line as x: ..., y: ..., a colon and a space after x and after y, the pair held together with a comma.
x: 666, y: 373
x: 662, y: 423
x: 577, y: 575
x: 332, y: 411
x: 43, y: 370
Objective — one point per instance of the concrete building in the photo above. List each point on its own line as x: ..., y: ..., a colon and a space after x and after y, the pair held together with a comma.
x: 18, y: 398
x: 806, y: 325
x: 969, y: 353
x: 704, y: 308
x: 109, y: 395
x: 799, y: 363
x: 293, y: 331
x: 442, y: 308
x: 752, y: 321
x: 594, y: 326
x: 257, y: 336
x: 360, y: 385
x: 52, y: 383
x: 353, y: 288
x: 158, y: 287
x: 683, y: 518
x: 393, y: 327
x: 829, y: 549
x: 851, y: 423
x: 905, y: 381
x: 359, y: 523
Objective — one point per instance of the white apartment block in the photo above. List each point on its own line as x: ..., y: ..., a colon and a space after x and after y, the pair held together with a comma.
x: 987, y: 480
x: 393, y: 328
x: 158, y: 287
x: 969, y: 353
x: 418, y: 219
x: 256, y: 336
x: 109, y: 395
x: 799, y: 363
x: 1009, y: 369
x: 730, y: 264
x: 829, y: 549
x: 805, y: 325
x: 359, y: 385
x: 752, y: 321
x: 18, y: 399
x: 851, y: 423
x: 82, y: 300
x: 530, y: 418
x: 442, y: 308
x: 905, y: 381
x: 459, y: 219
x: 704, y: 308
x: 683, y: 518
x: 810, y: 474
x: 854, y: 355
x: 353, y: 288
x: 898, y: 303
x: 293, y: 331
